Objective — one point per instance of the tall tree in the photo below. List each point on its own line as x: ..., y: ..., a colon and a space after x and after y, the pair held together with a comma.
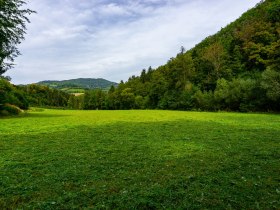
x: 13, y: 21
x: 215, y: 54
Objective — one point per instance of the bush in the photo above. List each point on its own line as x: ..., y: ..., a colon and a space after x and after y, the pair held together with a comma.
x: 11, y: 109
x: 271, y: 83
x: 236, y: 95
x: 5, y: 88
x: 204, y: 100
x: 4, y: 113
x: 22, y: 101
x: 12, y: 98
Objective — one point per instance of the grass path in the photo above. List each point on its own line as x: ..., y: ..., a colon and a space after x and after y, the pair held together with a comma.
x: 57, y: 159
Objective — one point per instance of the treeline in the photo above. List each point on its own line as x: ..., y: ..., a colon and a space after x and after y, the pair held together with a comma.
x: 43, y: 96
x: 14, y: 99
x: 237, y: 69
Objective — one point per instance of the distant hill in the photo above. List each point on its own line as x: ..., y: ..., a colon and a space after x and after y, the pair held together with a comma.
x: 79, y: 85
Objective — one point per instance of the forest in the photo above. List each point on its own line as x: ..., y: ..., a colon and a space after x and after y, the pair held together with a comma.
x: 237, y: 69
x: 66, y: 149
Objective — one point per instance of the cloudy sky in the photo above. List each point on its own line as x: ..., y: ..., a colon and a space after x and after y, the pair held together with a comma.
x: 114, y: 39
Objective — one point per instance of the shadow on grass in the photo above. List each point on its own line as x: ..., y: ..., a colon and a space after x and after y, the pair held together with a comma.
x: 33, y: 115
x: 174, y: 165
x: 43, y: 115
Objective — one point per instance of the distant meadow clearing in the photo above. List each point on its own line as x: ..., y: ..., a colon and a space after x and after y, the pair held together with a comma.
x: 62, y: 159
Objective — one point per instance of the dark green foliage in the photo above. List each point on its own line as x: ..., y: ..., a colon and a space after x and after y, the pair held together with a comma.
x: 76, y: 102
x: 13, y: 21
x: 38, y: 95
x: 9, y: 109
x: 12, y: 98
x: 236, y: 69
x: 238, y: 94
x: 204, y: 100
x: 76, y: 84
x: 5, y: 89
x: 94, y: 99
x: 271, y: 84
x: 274, y: 11
x: 34, y: 95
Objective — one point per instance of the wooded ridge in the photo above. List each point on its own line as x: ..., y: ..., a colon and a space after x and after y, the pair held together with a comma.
x: 237, y: 69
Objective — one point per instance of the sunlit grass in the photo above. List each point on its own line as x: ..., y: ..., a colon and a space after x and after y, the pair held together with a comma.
x: 139, y: 159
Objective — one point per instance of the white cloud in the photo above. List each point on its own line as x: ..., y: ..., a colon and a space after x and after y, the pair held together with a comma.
x: 115, y: 39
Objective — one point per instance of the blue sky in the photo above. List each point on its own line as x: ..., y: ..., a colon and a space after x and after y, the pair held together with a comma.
x: 109, y: 39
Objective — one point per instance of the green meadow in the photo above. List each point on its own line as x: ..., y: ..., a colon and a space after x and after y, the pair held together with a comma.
x: 63, y: 159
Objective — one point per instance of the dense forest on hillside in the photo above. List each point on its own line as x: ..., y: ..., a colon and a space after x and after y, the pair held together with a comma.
x: 78, y: 84
x: 237, y: 69
x: 49, y: 94
x: 14, y: 99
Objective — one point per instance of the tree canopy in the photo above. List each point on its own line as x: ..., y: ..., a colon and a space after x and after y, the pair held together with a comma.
x: 236, y: 69
x: 13, y: 19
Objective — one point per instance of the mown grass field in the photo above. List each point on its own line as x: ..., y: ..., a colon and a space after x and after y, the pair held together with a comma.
x: 56, y: 159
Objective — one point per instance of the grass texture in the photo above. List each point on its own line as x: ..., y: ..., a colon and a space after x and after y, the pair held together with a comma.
x: 63, y: 159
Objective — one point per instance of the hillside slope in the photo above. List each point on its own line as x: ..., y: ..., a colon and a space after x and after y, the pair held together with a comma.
x: 81, y: 83
x: 236, y: 69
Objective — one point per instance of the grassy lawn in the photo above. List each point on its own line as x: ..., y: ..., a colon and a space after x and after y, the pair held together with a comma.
x: 56, y: 159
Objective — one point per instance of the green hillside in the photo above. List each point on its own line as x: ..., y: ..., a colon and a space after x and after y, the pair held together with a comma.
x: 237, y: 69
x: 78, y: 85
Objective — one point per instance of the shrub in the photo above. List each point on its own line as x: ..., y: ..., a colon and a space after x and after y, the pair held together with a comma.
x: 11, y: 95
x: 204, y: 100
x: 4, y: 113
x: 11, y: 109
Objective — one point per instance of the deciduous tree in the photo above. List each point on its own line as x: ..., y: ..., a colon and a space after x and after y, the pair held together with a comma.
x: 13, y: 19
